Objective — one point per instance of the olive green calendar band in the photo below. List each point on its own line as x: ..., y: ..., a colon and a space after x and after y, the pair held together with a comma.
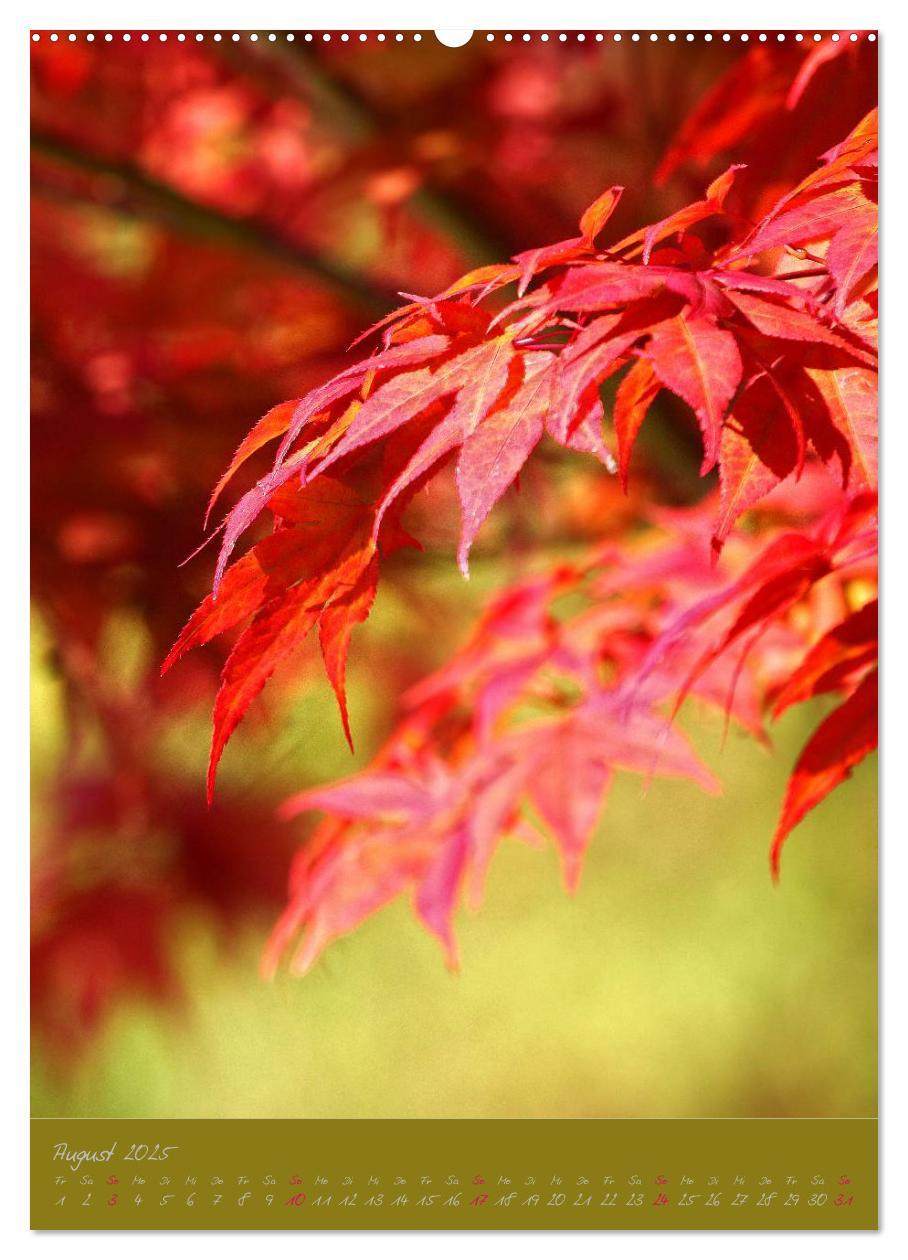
x: 776, y: 1174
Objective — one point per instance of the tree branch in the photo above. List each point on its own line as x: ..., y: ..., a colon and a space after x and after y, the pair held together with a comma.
x: 152, y: 200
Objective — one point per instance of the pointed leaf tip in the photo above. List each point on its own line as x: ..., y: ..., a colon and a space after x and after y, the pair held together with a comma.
x: 596, y: 215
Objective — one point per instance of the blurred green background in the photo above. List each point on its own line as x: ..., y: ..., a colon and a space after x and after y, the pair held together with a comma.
x: 677, y: 982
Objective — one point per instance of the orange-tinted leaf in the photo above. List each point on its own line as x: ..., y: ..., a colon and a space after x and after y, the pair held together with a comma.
x: 273, y: 633
x: 842, y: 740
x: 260, y: 574
x: 635, y: 396
x: 689, y: 216
x: 833, y: 660
x: 335, y: 627
x: 595, y: 216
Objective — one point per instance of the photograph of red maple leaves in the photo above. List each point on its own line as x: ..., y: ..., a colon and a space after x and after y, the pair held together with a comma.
x: 454, y: 577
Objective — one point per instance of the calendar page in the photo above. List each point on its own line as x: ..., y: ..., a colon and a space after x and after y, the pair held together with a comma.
x: 454, y: 623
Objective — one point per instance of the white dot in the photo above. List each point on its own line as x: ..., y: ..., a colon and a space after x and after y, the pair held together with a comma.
x: 327, y: 38
x: 599, y: 38
x: 363, y: 37
x: 490, y: 38
x: 145, y: 38
x: 871, y: 38
x: 216, y: 38
x: 580, y: 38
x: 381, y: 39
x: 762, y: 39
x: 344, y: 38
x: 108, y: 38
x: 708, y: 37
x: 53, y: 39
x: 780, y: 37
x: 181, y: 38
x: 744, y: 38
x: 653, y: 38
x: 72, y: 38
x: 235, y: 36
x: 253, y: 37
x: 272, y: 37
x: 544, y: 38
x: 689, y: 38
x: 672, y: 38
x: 508, y: 38
x: 126, y: 38
x: 308, y: 39
x: 726, y: 37
x: 635, y: 37
x: 853, y: 38
x: 36, y: 38
x: 799, y: 38
x: 617, y: 38
x: 526, y: 39
x: 199, y: 37
x: 399, y: 38
x: 90, y: 38
x: 417, y: 37
x: 817, y: 38
x: 835, y: 37
x: 562, y: 38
